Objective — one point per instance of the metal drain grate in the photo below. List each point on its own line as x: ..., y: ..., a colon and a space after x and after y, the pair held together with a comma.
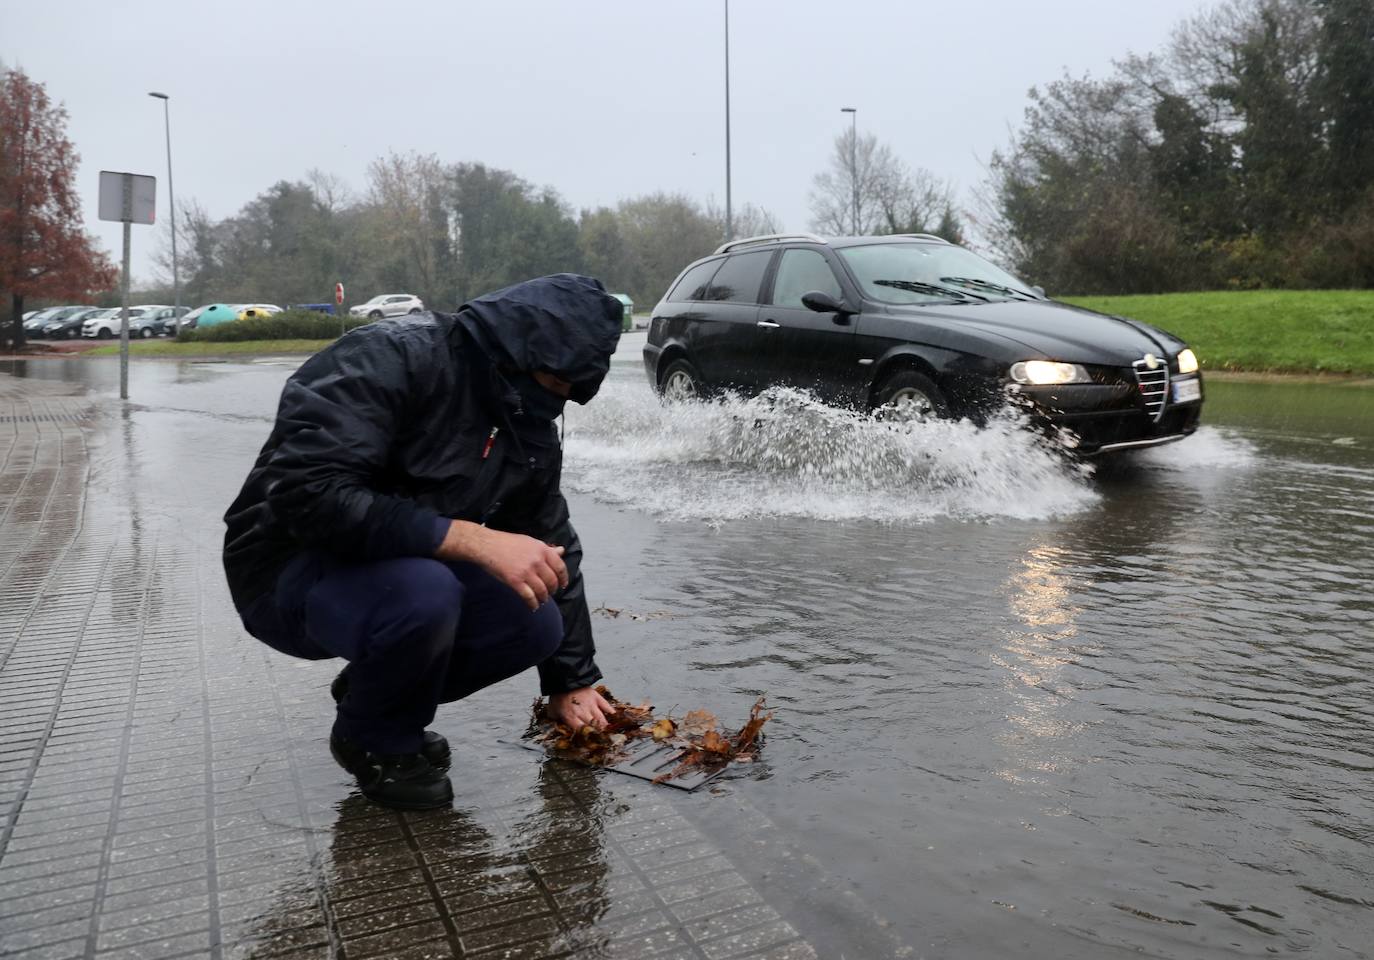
x: 645, y: 759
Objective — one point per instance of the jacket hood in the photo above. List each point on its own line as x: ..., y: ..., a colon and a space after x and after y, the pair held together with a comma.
x: 564, y: 324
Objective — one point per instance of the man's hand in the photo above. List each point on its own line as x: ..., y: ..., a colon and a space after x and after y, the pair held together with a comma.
x: 580, y: 708
x: 532, y: 569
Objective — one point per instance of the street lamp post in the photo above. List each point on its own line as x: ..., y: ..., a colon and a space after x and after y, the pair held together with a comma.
x: 854, y: 160
x: 729, y: 218
x: 171, y: 208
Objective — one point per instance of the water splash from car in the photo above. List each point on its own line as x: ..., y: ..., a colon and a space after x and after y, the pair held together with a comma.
x: 785, y: 454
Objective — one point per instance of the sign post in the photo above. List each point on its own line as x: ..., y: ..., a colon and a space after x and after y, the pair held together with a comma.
x: 338, y: 305
x: 128, y: 198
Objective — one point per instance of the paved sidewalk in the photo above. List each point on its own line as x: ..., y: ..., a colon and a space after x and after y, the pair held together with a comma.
x: 165, y: 790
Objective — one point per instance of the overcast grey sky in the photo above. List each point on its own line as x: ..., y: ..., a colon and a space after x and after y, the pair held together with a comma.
x: 601, y: 99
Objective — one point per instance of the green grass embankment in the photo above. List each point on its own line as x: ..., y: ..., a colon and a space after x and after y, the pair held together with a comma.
x: 177, y: 348
x: 1278, y: 331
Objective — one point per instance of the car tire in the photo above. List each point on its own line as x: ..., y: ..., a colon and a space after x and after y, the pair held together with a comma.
x: 908, y: 394
x: 375, y: 315
x: 105, y: 334
x: 414, y: 309
x: 145, y: 332
x: 681, y: 382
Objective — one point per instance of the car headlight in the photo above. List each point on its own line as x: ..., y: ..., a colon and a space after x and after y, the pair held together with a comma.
x: 1044, y: 372
x: 1187, y: 361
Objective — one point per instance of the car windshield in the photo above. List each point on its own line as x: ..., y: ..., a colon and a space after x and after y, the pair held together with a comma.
x: 930, y: 273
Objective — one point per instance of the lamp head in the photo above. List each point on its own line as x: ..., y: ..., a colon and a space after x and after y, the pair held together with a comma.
x: 160, y: 96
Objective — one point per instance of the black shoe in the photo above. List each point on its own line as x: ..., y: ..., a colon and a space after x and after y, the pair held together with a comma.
x: 433, y: 745
x: 406, y: 781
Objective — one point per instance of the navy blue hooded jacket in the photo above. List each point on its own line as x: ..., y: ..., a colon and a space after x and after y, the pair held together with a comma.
x: 382, y: 437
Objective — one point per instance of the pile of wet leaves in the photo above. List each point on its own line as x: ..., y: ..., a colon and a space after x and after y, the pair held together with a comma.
x: 703, y: 743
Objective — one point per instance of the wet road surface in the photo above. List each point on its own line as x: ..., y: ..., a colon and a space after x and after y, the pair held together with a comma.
x: 1021, y: 707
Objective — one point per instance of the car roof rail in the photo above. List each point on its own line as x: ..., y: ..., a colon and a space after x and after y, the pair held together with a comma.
x: 767, y: 238
x: 923, y: 236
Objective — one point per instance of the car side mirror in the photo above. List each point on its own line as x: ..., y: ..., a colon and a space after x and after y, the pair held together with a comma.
x: 825, y: 303
x: 1038, y: 291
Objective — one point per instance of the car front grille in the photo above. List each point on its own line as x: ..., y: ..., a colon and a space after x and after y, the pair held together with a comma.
x: 1154, y: 385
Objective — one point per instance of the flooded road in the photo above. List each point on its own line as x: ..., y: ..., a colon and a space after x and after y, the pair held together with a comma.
x: 1023, y: 707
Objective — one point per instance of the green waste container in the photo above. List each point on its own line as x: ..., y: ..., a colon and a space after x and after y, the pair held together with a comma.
x: 627, y: 322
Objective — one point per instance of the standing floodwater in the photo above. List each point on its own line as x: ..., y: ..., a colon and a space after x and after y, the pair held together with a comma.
x: 1027, y: 708
x: 1023, y: 707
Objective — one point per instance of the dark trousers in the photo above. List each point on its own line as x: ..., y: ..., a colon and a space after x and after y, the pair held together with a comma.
x: 415, y: 632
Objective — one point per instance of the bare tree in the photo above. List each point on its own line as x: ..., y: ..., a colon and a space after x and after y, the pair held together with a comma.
x: 866, y: 179
x: 847, y: 198
x: 750, y: 220
x: 406, y: 193
x: 331, y: 191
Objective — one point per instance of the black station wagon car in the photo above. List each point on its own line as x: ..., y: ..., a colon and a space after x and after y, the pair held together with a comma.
x: 915, y: 322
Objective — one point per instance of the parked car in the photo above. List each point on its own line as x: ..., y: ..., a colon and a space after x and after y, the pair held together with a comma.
x: 69, y: 327
x: 144, y: 322
x: 388, y: 305
x: 33, y: 327
x: 247, y: 310
x: 915, y: 324
x: 166, y: 320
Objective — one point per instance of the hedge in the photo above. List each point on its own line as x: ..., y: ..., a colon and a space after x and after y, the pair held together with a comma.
x: 287, y: 325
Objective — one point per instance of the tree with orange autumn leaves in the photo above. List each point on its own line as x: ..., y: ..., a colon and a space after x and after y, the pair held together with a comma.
x: 44, y: 250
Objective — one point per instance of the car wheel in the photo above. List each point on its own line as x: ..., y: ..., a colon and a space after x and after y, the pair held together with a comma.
x: 909, y: 395
x: 375, y: 315
x: 414, y: 309
x: 105, y: 333
x: 681, y: 382
x: 145, y: 332
x: 73, y: 334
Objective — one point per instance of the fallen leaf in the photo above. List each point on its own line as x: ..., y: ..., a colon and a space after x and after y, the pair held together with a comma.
x: 697, y: 722
x: 713, y: 742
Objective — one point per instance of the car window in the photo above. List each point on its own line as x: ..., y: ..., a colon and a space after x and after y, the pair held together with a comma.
x: 801, y: 272
x: 739, y: 279
x: 930, y: 273
x: 694, y: 282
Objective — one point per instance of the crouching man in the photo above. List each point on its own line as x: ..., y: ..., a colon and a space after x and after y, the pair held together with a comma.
x: 405, y: 515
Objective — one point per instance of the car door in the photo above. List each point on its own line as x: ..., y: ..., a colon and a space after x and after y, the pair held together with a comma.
x: 803, y: 348
x: 729, y: 336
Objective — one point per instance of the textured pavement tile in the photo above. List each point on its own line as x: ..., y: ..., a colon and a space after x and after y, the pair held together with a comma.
x: 380, y: 900
x: 501, y: 911
x: 192, y: 944
x: 768, y: 937
x: 41, y: 936
x: 182, y: 908
x: 154, y: 892
x: 184, y: 790
x: 66, y: 950
x: 154, y: 929
x: 509, y: 934
x: 46, y: 916
x: 383, y: 944
x: 269, y: 937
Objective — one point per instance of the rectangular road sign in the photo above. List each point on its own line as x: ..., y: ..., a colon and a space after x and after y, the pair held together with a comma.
x: 127, y: 197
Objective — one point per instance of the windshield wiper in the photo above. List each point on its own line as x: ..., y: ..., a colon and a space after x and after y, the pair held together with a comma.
x: 989, y: 285
x: 934, y: 289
